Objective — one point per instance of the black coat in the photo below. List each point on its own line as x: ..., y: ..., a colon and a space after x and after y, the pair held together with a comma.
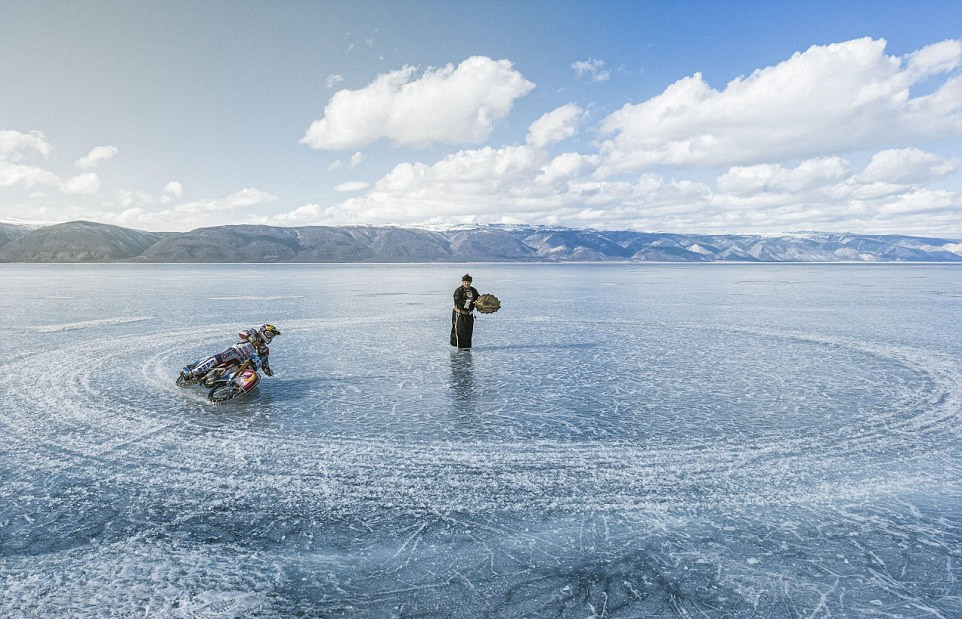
x: 465, y: 298
x: 462, y: 325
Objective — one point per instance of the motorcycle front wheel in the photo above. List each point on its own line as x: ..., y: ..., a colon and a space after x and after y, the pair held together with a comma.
x: 224, y: 392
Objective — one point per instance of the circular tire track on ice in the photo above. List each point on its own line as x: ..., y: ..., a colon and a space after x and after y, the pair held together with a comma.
x: 118, y: 408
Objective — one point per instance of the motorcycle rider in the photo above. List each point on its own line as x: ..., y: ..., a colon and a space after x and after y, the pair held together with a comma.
x: 252, y: 345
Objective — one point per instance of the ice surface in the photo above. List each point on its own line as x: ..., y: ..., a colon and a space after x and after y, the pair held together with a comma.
x: 86, y: 324
x: 623, y: 441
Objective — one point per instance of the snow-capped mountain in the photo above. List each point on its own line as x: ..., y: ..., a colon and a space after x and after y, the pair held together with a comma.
x: 90, y: 242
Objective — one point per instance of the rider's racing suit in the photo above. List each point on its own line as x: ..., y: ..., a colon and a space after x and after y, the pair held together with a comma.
x: 243, y: 350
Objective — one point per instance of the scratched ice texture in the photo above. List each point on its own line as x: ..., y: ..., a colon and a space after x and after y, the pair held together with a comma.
x: 623, y: 441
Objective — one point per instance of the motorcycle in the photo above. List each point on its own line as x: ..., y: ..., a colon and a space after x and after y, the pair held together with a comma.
x: 210, y: 378
x: 229, y: 385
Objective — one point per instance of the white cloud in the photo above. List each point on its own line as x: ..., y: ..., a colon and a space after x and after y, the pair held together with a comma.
x: 333, y: 80
x: 555, y: 126
x: 97, y: 154
x: 567, y: 165
x: 236, y: 201
x: 467, y: 170
x: 520, y: 183
x: 83, y: 183
x: 351, y: 186
x: 129, y: 198
x: 464, y: 186
x: 907, y: 166
x: 309, y: 214
x: 936, y: 58
x: 448, y: 105
x: 523, y: 184
x: 512, y: 184
x: 767, y: 178
x: 174, y: 188
x: 140, y: 211
x: 828, y: 99
x: 779, y: 138
x: 13, y: 143
x: 13, y: 174
x: 592, y: 68
x: 774, y: 197
x: 356, y: 160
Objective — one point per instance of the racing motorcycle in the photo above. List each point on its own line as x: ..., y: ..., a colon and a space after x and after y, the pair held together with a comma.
x: 234, y: 382
x: 210, y: 378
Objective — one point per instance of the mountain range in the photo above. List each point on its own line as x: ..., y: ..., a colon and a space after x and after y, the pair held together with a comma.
x: 83, y: 241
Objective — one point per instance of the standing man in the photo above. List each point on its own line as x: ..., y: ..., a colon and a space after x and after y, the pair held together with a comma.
x: 462, y: 320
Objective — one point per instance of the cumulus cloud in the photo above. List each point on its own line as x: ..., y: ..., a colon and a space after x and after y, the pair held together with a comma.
x: 14, y: 174
x: 450, y: 105
x: 936, y: 58
x: 83, y: 183
x: 309, y: 214
x: 594, y: 69
x: 555, y: 126
x: 514, y: 184
x: 824, y: 194
x: 773, y: 152
x: 769, y: 178
x: 129, y: 198
x: 236, y: 201
x: 333, y: 80
x: 351, y: 186
x: 124, y: 207
x: 355, y: 160
x: 905, y: 166
x: 517, y: 183
x: 463, y: 186
x: 827, y: 99
x: 141, y: 211
x: 14, y: 144
x: 524, y: 184
x: 96, y: 155
x: 567, y: 165
x: 174, y: 188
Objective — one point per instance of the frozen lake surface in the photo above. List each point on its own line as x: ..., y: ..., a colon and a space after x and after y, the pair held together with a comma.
x: 623, y: 441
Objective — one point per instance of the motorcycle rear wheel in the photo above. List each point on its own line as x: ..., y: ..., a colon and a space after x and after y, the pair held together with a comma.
x: 224, y: 392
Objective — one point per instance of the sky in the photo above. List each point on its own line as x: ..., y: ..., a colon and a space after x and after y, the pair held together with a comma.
x: 707, y: 117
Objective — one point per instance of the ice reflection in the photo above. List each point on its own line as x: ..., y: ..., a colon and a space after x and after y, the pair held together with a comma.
x: 463, y: 389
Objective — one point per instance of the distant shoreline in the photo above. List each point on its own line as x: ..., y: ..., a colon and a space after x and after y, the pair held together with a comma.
x: 88, y: 242
x: 506, y: 263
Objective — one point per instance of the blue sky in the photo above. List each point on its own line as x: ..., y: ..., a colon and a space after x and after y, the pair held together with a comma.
x: 708, y: 117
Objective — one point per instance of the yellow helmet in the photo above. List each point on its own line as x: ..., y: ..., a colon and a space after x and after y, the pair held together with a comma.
x: 268, y: 331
